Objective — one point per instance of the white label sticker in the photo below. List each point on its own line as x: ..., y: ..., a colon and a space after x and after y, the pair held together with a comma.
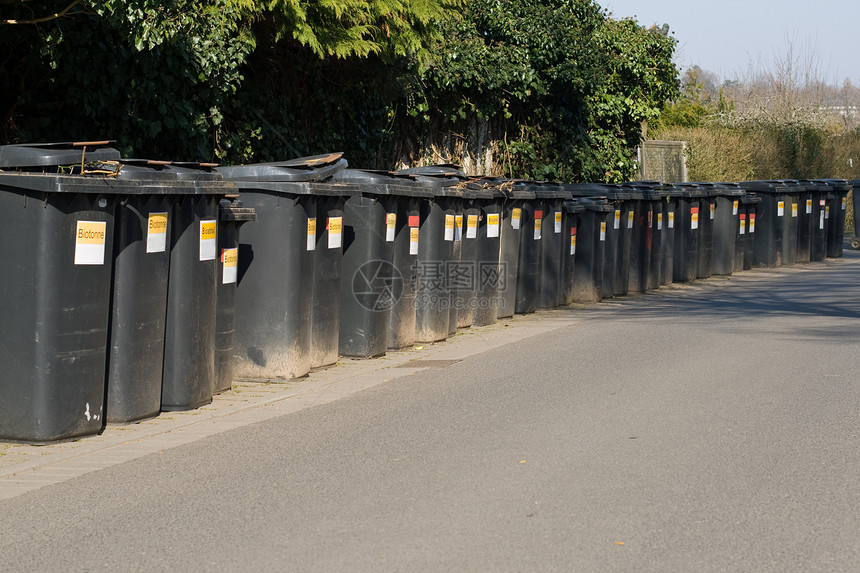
x: 413, y: 240
x: 659, y: 221
x: 794, y: 209
x: 493, y: 225
x: 312, y: 234
x: 780, y: 208
x: 449, y: 227
x: 617, y: 223
x: 671, y: 221
x: 713, y: 208
x: 156, y: 233
x: 515, y: 218
x: 230, y: 262
x: 694, y: 218
x: 735, y: 208
x: 471, y: 226
x: 573, y: 240
x: 821, y: 219
x: 603, y: 230
x: 743, y: 227
x: 844, y: 203
x: 90, y: 242
x: 335, y: 232
x: 827, y: 212
x: 458, y: 228
x: 557, y: 228
x: 752, y: 223
x: 630, y: 219
x: 208, y: 241
x: 390, y: 226
x: 538, y: 223
x: 809, y: 206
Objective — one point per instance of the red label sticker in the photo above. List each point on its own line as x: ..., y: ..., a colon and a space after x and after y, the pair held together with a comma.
x: 538, y: 214
x: 413, y: 221
x: 573, y: 231
x: 743, y: 217
x: 694, y: 210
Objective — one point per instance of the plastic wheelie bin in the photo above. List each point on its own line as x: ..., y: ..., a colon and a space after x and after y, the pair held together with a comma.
x: 231, y: 216
x: 142, y: 368
x: 58, y: 206
x: 573, y: 212
x: 274, y: 302
x: 590, y: 259
x: 837, y: 199
x: 747, y: 227
x: 669, y: 207
x: 655, y: 231
x: 552, y: 196
x: 475, y: 199
x: 777, y: 221
x: 727, y: 206
x: 529, y: 267
x: 488, y: 269
x: 637, y: 231
x: 517, y: 195
x: 855, y: 240
x: 688, y: 222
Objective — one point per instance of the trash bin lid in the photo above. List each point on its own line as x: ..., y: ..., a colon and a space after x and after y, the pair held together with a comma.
x: 379, y: 182
x: 233, y: 211
x: 34, y: 155
x: 444, y: 180
x: 750, y: 198
x: 778, y: 186
x: 599, y: 204
x: 836, y: 184
x: 574, y: 206
x: 302, y: 169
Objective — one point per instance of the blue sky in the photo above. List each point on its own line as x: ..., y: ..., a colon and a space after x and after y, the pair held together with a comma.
x: 728, y: 37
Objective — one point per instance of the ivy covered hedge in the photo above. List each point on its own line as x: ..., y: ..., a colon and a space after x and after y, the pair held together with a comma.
x: 240, y: 81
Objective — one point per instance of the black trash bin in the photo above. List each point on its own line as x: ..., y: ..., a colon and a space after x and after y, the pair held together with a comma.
x: 476, y: 200
x: 438, y: 252
x: 687, y: 221
x: 529, y: 267
x: 727, y: 207
x: 777, y: 221
x: 667, y: 254
x: 274, y: 302
x: 573, y: 213
x: 552, y: 196
x: 143, y: 322
x: 616, y: 268
x: 517, y: 195
x: 232, y: 215
x: 372, y: 283
x: 749, y: 203
x: 58, y: 204
x: 654, y: 234
x: 489, y: 271
x: 837, y: 199
x: 855, y: 240
x: 590, y: 259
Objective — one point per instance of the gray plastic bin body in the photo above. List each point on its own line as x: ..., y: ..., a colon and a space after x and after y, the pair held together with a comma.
x: 529, y: 267
x: 140, y: 322
x: 667, y: 255
x: 637, y: 229
x: 837, y: 199
x: 517, y: 195
x: 231, y: 216
x: 553, y: 196
x: 488, y: 269
x: 687, y: 221
x: 727, y: 207
x: 573, y: 213
x: 590, y: 257
x: 274, y: 301
x: 401, y: 324
x: 58, y: 243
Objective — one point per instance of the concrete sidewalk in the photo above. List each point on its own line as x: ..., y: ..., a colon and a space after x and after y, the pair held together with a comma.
x: 25, y: 468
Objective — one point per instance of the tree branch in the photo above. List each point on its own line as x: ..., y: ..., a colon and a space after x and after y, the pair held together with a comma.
x: 59, y: 14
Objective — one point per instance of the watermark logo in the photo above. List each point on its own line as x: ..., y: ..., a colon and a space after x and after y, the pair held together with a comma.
x: 377, y: 285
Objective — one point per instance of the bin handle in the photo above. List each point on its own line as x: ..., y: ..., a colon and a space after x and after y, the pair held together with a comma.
x: 143, y: 220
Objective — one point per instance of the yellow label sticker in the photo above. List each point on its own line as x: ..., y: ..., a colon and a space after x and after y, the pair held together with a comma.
x: 794, y: 209
x: 659, y: 221
x: 230, y: 262
x: 335, y: 232
x: 516, y: 215
x: 713, y: 208
x: 735, y: 208
x: 90, y: 239
x: 617, y: 224
x: 809, y: 206
x: 493, y: 225
x: 603, y: 230
x: 844, y: 203
x: 780, y: 208
x: 458, y: 228
x: 671, y: 221
x: 471, y: 226
x: 156, y: 233
x: 557, y: 227
x: 312, y: 234
x: 630, y: 215
x: 413, y: 240
x: 449, y: 227
x: 208, y: 242
x: 390, y: 226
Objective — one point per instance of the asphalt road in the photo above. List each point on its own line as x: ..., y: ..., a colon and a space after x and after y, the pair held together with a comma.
x: 712, y: 428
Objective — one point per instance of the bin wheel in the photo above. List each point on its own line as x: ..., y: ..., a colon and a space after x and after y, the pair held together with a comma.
x: 855, y: 244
